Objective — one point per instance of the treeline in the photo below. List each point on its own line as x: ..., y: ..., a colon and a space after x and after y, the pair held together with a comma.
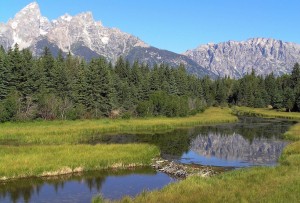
x: 257, y: 91
x: 70, y: 88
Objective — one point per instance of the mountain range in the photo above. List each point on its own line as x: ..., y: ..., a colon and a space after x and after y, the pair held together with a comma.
x: 235, y: 59
x: 82, y: 36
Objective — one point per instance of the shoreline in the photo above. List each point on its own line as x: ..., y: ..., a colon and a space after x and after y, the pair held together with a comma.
x: 255, y: 184
x: 56, y: 153
x: 68, y: 171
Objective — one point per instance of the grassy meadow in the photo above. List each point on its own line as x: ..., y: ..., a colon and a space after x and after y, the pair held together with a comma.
x: 266, y: 113
x: 258, y: 184
x: 46, y: 148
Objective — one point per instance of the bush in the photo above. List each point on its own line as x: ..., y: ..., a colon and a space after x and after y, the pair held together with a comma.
x: 161, y: 103
x: 77, y: 112
x: 145, y: 108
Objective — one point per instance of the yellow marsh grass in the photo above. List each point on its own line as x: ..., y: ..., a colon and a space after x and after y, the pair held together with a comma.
x: 25, y: 161
x: 260, y: 184
x: 66, y: 132
x: 268, y: 113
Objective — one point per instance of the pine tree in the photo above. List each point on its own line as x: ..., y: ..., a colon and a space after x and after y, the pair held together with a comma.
x: 27, y: 64
x: 295, y: 76
x: 270, y: 83
x: 47, y: 63
x: 181, y: 80
x: 3, y: 74
x: 278, y: 100
x: 99, y: 88
x: 62, y: 77
x: 172, y: 84
x: 289, y: 99
x: 15, y: 66
x: 221, y: 97
x: 154, y: 79
x: 79, y: 87
x: 136, y: 81
x: 208, y: 90
x: 122, y: 69
x: 36, y: 79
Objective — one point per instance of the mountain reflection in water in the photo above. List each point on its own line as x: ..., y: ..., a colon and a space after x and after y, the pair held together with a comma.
x: 249, y: 142
x: 235, y: 148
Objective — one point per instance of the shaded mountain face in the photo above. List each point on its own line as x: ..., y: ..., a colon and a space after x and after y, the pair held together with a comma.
x: 236, y: 59
x: 82, y: 36
x: 152, y: 55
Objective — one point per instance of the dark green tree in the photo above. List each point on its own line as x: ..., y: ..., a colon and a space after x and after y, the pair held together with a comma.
x: 99, y: 88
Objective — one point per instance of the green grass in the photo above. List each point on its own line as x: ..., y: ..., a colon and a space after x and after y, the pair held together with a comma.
x: 26, y: 161
x: 259, y: 184
x: 75, y: 132
x: 266, y: 113
x: 44, y: 148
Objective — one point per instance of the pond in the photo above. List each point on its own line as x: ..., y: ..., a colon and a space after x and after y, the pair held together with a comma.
x: 250, y: 142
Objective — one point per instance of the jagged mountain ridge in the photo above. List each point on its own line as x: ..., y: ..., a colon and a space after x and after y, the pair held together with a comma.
x: 83, y: 36
x: 235, y: 59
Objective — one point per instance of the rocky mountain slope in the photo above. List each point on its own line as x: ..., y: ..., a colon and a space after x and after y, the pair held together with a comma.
x: 236, y: 59
x: 83, y: 36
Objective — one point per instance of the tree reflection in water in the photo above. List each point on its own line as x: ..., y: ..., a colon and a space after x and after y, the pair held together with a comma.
x: 24, y: 190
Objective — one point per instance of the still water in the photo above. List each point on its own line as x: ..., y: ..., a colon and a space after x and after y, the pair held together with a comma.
x: 250, y: 142
x: 83, y: 187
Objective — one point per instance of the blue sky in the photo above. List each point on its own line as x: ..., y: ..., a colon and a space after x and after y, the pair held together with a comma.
x: 178, y: 25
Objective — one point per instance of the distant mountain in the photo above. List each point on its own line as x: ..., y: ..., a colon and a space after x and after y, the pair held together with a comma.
x: 82, y: 36
x: 153, y: 55
x: 236, y: 59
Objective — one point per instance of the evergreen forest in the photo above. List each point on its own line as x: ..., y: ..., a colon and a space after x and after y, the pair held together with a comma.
x: 67, y: 87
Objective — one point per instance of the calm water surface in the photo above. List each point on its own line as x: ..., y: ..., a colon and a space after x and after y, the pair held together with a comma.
x: 250, y: 142
x: 81, y: 188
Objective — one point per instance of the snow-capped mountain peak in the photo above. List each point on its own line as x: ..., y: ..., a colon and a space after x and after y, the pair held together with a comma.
x: 25, y: 26
x: 32, y: 6
x: 66, y: 17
